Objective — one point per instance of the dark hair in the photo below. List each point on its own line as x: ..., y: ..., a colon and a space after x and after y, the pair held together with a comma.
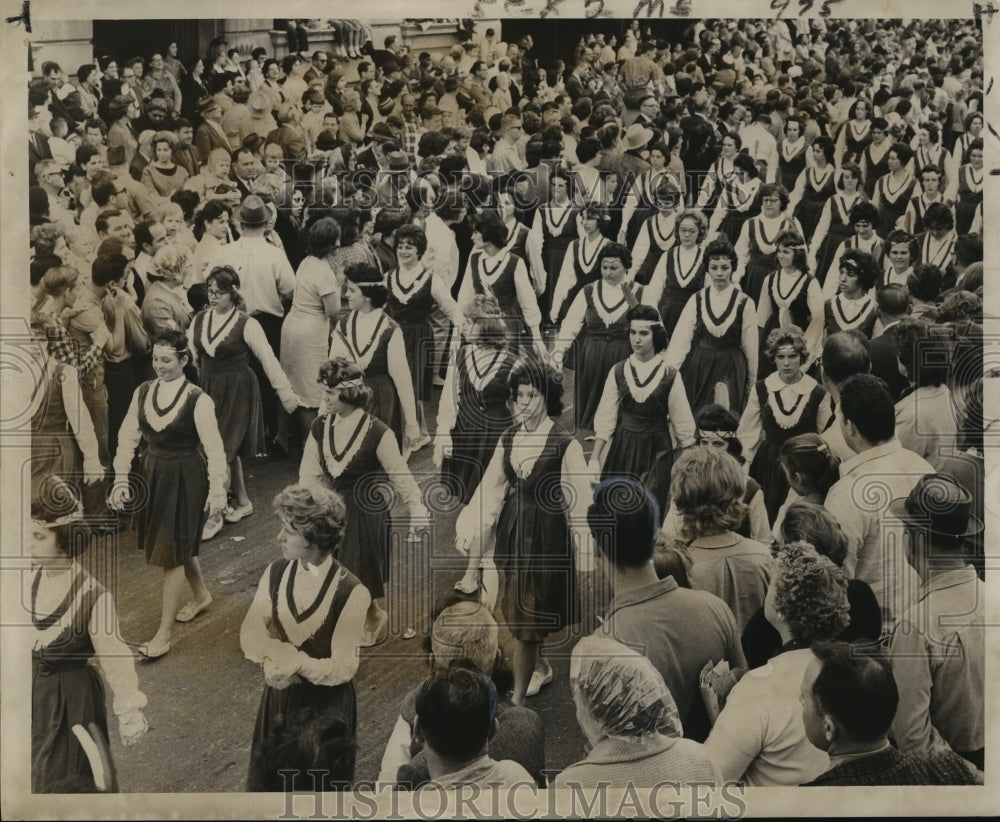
x: 225, y: 278
x: 108, y: 268
x: 812, y: 523
x: 783, y: 336
x: 863, y: 265
x: 924, y: 350
x: 846, y: 353
x: 864, y: 211
x: 775, y: 190
x: 624, y: 519
x: 898, y: 237
x: 103, y: 190
x: 455, y: 710
x: 855, y: 171
x: 857, y: 689
x: 827, y: 146
x: 413, y: 234
x: 866, y: 402
x: 492, y: 228
x: 925, y: 282
x: 902, y: 151
x: 338, y: 370
x: 938, y: 215
x: 297, y: 743
x: 368, y: 278
x: 543, y: 379
x: 893, y: 299
x: 615, y: 251
x: 721, y: 248
x: 211, y: 211
x: 322, y: 237
x: 649, y: 313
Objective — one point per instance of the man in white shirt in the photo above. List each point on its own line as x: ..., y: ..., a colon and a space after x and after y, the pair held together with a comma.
x: 442, y: 257
x: 760, y: 143
x: 880, y: 471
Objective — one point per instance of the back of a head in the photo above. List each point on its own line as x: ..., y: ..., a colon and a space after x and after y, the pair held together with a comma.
x: 455, y: 711
x: 857, y: 689
x: 893, y: 300
x: 108, y: 268
x: 812, y: 523
x: 624, y: 519
x: 846, y: 353
x: 865, y: 401
x: 465, y: 630
x: 294, y: 749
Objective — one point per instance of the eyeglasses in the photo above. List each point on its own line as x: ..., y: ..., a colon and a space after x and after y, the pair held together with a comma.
x: 215, y: 292
x: 770, y: 199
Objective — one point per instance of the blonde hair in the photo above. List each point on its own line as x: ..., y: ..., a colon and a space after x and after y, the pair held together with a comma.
x: 707, y: 485
x: 170, y: 263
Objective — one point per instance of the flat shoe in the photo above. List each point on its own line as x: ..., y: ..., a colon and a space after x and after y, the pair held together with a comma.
x: 240, y: 512
x: 212, y: 527
x: 192, y: 609
x: 464, y: 588
x: 537, y: 681
x: 145, y: 652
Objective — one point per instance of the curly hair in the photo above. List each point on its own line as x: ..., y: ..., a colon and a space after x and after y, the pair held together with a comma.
x: 487, y: 324
x: 810, y: 593
x: 812, y: 523
x: 543, y: 379
x: 697, y: 218
x: 170, y: 263
x: 862, y: 265
x: 316, y: 514
x: 721, y: 248
x: 368, y: 278
x: 792, y: 239
x: 708, y: 487
x: 615, y: 251
x: 340, y: 369
x: 465, y: 630
x: 414, y: 235
x: 785, y: 336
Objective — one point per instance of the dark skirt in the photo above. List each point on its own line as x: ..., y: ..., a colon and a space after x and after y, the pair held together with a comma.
x: 171, y: 506
x: 281, y: 712
x: 596, y: 355
x: 766, y: 469
x: 965, y: 213
x: 60, y: 700
x: 707, y: 365
x: 364, y: 548
x: 643, y: 453
x: 418, y: 338
x: 55, y: 453
x: 238, y: 409
x: 828, y: 250
x: 808, y: 213
x: 385, y: 405
x: 540, y: 593
x: 757, y: 268
x: 473, y: 447
x: 732, y: 224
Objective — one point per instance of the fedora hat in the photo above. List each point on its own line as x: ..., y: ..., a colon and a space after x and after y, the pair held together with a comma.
x: 637, y: 136
x: 253, y: 212
x: 398, y: 161
x: 206, y: 104
x: 939, y: 504
x: 258, y: 104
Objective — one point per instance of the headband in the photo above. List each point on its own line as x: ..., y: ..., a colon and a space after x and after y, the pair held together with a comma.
x: 647, y: 323
x: 354, y: 382
x: 65, y: 519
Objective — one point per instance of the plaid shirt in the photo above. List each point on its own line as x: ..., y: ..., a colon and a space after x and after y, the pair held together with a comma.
x: 63, y: 347
x: 411, y: 139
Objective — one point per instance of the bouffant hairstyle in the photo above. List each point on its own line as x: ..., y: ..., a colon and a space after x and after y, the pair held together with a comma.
x: 724, y: 421
x: 543, y: 379
x: 924, y: 350
x: 849, y: 168
x: 565, y: 177
x: 339, y: 370
x: 862, y: 265
x: 902, y: 151
x: 667, y: 191
x: 785, y: 336
x: 615, y: 251
x: 827, y: 146
x: 864, y: 211
x: 694, y: 216
x: 173, y: 338
x: 794, y: 240
x: 596, y: 211
x: 465, y: 630
x: 367, y: 277
x: 721, y: 248
x: 812, y: 523
x: 624, y: 519
x: 708, y: 487
x: 744, y: 162
x: 316, y: 514
x: 491, y: 227
x: 225, y: 278
x: 487, y: 326
x: 925, y: 282
x: 775, y: 190
x: 170, y: 263
x: 809, y: 456
x: 412, y: 234
x: 810, y: 593
x: 899, y: 237
x: 650, y: 314
x: 323, y: 237
x: 58, y: 280
x: 958, y: 306
x: 208, y: 213
x: 938, y: 216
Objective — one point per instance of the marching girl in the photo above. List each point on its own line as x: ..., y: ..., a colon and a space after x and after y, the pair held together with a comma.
x: 755, y: 248
x: 183, y: 471
x: 714, y: 345
x: 680, y: 273
x: 640, y: 201
x: 474, y: 408
x: 854, y: 136
x: 536, y: 491
x: 834, y: 224
x: 792, y: 153
x: 644, y: 412
x: 222, y: 337
x: 894, y: 190
x: 898, y: 259
x: 738, y: 200
x: 784, y: 404
x: 815, y: 186
x: 969, y: 186
x: 354, y: 453
x: 75, y: 621
x: 369, y: 337
x: 864, y: 218
x: 657, y: 233
x: 875, y: 158
x: 580, y: 265
x: 930, y: 192
x: 853, y: 307
x: 554, y: 228
x: 596, y: 328
x: 722, y: 172
x: 413, y: 294
x: 791, y: 296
